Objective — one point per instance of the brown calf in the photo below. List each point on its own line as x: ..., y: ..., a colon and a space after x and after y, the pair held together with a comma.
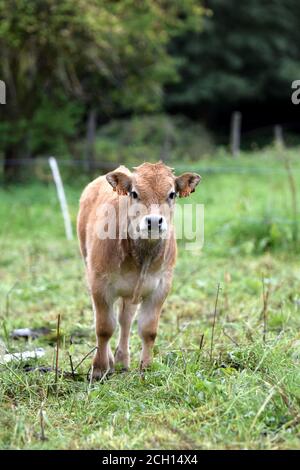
x: 134, y: 264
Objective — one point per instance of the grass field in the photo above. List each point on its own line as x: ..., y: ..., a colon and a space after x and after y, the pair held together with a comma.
x: 241, y: 391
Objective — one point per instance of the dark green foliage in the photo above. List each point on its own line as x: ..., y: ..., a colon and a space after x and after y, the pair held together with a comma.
x: 247, y: 52
x: 48, y: 129
x: 103, y: 54
x: 53, y: 124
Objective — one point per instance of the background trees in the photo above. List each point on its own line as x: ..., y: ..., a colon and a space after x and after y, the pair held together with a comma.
x: 246, y: 56
x: 63, y: 59
x: 72, y: 65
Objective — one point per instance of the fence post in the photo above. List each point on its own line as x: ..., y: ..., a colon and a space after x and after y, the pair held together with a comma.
x: 90, y: 141
x: 61, y: 197
x: 2, y: 92
x: 278, y: 135
x: 235, y: 133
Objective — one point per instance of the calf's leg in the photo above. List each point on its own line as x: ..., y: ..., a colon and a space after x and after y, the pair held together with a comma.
x: 105, y: 325
x: 126, y: 315
x: 148, y: 321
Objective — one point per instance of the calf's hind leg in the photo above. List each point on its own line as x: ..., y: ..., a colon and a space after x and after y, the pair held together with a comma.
x: 105, y: 326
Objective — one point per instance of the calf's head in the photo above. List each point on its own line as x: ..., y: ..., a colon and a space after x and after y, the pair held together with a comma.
x: 152, y: 189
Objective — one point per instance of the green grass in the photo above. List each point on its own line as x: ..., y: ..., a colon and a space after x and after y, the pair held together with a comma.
x: 245, y: 396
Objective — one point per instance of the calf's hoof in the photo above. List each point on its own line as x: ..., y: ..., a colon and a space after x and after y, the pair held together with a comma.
x: 122, y: 359
x: 95, y: 374
x: 144, y: 365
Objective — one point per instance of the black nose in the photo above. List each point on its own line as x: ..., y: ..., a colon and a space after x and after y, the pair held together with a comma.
x: 154, y: 222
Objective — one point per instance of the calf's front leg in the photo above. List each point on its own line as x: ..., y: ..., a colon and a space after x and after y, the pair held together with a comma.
x: 105, y: 323
x: 126, y: 315
x: 148, y: 321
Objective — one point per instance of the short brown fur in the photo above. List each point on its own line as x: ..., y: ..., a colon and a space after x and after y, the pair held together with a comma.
x: 116, y: 269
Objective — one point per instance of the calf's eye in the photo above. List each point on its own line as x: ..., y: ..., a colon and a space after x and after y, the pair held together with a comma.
x: 134, y: 194
x: 172, y: 195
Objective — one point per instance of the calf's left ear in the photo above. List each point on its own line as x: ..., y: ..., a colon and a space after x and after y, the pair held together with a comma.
x: 185, y: 184
x: 120, y: 182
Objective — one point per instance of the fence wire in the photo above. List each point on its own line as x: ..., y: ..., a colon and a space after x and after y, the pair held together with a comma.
x: 102, y: 165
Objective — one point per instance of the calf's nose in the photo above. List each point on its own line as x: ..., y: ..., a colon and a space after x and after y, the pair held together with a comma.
x: 153, y: 223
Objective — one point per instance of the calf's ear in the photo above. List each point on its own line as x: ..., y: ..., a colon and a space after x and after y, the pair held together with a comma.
x: 185, y: 184
x: 120, y: 182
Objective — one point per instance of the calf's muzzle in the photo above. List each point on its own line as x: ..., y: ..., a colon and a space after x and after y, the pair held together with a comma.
x: 153, y: 226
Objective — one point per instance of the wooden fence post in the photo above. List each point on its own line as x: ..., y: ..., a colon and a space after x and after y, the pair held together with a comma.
x: 90, y: 141
x: 235, y: 133
x: 278, y: 136
x: 2, y: 92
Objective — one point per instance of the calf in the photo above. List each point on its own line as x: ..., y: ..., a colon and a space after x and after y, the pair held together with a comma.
x: 128, y: 244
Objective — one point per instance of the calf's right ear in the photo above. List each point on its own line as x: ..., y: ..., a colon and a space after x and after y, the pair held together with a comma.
x: 120, y: 182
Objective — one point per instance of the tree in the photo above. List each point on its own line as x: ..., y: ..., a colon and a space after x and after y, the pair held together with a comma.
x: 74, y: 56
x: 247, y: 52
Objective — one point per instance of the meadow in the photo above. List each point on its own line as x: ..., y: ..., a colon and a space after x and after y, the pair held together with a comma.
x: 225, y: 374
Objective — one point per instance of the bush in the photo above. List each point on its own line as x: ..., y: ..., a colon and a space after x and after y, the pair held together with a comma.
x: 265, y: 233
x: 153, y: 137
